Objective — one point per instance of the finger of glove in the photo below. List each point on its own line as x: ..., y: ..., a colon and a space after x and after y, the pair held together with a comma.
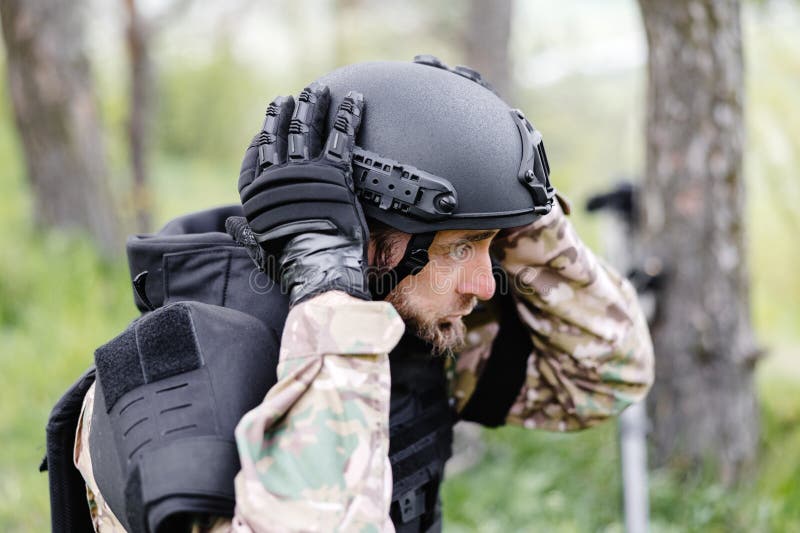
x: 268, y: 147
x: 342, y: 138
x: 247, y: 172
x: 308, y: 123
x: 362, y: 228
x: 275, y: 131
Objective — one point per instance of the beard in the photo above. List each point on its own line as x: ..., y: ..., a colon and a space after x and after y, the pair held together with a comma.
x: 445, y: 333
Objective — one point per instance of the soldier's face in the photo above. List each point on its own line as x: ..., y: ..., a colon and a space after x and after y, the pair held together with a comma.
x: 434, y: 302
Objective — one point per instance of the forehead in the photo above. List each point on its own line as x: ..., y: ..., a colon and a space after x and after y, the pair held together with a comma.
x: 465, y: 235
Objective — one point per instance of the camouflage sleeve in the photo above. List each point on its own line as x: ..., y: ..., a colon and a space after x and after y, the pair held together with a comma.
x: 314, y: 453
x: 592, y: 355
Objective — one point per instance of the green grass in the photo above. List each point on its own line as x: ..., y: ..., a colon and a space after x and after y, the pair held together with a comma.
x: 538, y: 482
x: 531, y: 481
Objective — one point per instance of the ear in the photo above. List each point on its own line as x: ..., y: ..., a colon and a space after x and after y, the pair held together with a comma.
x: 387, y: 246
x: 398, y: 241
x: 371, y: 251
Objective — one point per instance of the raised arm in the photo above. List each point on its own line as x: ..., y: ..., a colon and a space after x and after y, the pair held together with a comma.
x: 314, y: 454
x: 582, y: 351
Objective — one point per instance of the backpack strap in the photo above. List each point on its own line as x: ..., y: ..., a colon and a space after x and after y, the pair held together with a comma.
x: 68, y: 509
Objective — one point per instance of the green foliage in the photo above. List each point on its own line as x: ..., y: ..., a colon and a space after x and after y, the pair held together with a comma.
x: 771, y: 163
x: 58, y: 300
x: 211, y: 109
x: 532, y: 481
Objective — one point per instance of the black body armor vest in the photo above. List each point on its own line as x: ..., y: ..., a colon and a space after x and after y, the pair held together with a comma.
x: 192, y: 260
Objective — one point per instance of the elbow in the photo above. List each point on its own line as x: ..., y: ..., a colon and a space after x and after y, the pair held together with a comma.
x: 635, y: 375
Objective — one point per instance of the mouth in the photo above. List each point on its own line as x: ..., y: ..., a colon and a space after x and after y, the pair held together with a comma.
x: 468, y: 307
x: 450, y: 321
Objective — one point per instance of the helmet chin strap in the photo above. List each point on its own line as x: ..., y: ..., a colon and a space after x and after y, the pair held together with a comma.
x: 414, y: 259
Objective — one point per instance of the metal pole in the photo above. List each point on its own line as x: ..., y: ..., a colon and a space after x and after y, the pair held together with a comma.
x: 620, y: 251
x: 633, y: 452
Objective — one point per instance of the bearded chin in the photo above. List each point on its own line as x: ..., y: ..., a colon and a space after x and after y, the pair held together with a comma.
x: 446, y: 336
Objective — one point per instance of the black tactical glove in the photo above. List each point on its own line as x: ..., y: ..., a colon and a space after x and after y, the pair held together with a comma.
x: 298, y: 195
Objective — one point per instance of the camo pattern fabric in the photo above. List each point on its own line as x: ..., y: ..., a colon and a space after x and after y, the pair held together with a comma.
x: 592, y: 354
x: 103, y: 518
x: 314, y: 454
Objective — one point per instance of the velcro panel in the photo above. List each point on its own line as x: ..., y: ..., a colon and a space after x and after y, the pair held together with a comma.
x: 167, y: 343
x: 118, y: 367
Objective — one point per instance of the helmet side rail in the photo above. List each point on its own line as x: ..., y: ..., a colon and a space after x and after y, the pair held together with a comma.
x: 409, y: 191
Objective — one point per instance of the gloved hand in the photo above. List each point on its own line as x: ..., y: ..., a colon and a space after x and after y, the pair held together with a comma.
x: 298, y: 195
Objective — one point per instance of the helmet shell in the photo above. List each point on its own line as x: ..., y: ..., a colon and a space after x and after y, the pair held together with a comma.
x: 445, y: 124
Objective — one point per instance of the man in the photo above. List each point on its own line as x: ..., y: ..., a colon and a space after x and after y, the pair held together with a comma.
x: 445, y: 180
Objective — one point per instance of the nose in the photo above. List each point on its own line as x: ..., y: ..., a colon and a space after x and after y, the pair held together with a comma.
x: 476, y: 277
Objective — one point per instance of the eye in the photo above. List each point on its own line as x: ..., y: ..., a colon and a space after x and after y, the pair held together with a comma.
x: 462, y: 251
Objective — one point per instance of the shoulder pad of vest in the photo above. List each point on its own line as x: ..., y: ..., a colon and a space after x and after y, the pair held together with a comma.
x: 170, y: 391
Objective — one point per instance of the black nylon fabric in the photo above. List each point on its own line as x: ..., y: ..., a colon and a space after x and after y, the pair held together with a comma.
x: 420, y: 435
x: 193, y: 259
x: 69, y: 512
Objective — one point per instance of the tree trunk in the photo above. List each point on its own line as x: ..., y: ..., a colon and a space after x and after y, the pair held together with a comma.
x: 140, y: 32
x: 56, y: 113
x: 703, y: 404
x: 141, y: 90
x: 486, y: 38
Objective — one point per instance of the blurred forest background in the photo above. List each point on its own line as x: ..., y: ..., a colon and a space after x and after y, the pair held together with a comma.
x: 579, y: 71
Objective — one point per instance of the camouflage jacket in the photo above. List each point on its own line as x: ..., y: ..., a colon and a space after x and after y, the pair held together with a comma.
x: 314, y: 454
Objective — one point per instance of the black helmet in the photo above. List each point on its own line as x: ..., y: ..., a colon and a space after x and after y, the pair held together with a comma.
x: 438, y: 149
